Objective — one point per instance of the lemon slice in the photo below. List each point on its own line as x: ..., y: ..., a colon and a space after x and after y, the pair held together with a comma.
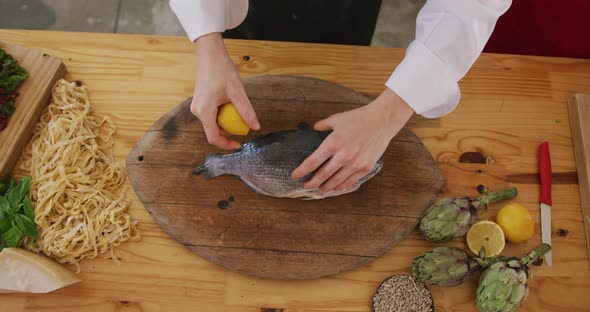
x: 486, y: 234
x: 229, y: 119
x: 28, y: 272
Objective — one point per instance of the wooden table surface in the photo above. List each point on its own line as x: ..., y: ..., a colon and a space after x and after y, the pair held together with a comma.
x: 510, y: 104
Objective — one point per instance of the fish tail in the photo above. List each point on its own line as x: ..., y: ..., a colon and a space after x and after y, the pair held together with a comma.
x: 213, y: 167
x: 199, y: 170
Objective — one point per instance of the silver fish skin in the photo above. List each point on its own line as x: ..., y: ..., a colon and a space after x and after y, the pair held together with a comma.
x: 265, y: 164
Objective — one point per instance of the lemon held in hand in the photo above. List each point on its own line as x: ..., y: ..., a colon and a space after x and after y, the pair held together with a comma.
x: 517, y: 223
x: 488, y: 235
x: 230, y: 120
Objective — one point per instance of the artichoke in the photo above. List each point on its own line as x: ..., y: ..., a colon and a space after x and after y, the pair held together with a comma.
x: 449, y: 218
x: 504, y: 285
x: 447, y: 266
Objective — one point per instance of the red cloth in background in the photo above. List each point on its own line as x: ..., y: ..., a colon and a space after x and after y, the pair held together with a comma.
x: 543, y: 27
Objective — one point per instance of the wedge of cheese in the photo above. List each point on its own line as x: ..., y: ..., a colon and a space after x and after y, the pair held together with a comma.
x: 28, y: 272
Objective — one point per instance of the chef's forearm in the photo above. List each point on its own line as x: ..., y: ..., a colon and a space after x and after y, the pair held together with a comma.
x: 396, y: 111
x: 450, y: 36
x: 210, y: 43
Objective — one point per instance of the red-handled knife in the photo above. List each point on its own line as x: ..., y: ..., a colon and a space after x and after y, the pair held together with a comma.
x: 545, y: 174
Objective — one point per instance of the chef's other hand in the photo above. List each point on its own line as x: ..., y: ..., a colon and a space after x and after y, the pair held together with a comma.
x: 358, y: 140
x: 217, y: 83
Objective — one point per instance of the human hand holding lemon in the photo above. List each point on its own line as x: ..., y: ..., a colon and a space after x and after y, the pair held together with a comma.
x: 229, y: 119
x: 217, y: 83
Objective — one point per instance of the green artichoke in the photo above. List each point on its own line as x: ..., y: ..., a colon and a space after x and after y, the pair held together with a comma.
x: 447, y: 266
x: 449, y: 218
x: 504, y: 285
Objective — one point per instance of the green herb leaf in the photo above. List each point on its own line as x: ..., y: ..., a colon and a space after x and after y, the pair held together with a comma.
x: 11, y: 183
x: 12, y: 82
x: 26, y: 225
x: 5, y: 215
x: 18, y: 208
x: 3, y: 187
x: 17, y: 193
x: 13, y: 198
x: 23, y: 187
x: 8, y: 107
x: 12, y: 237
x: 4, y: 205
x: 28, y: 208
x: 4, y: 221
x: 11, y: 74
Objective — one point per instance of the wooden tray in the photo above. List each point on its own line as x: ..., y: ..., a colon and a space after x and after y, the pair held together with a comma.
x: 579, y: 111
x: 271, y: 237
x: 34, y: 94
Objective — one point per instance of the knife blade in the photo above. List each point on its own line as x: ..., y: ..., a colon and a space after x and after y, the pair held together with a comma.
x: 545, y: 176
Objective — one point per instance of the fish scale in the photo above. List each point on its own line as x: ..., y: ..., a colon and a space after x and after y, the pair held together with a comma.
x: 265, y: 164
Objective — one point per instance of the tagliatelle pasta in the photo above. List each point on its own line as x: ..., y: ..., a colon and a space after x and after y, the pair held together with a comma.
x: 80, y: 207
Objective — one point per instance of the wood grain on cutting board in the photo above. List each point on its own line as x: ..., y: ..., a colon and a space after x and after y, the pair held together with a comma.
x: 579, y: 109
x: 509, y: 105
x: 271, y: 237
x: 33, y: 97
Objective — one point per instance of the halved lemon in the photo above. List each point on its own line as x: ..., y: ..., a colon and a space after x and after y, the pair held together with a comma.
x: 487, y: 235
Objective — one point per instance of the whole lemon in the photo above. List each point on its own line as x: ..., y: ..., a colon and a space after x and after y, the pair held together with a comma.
x: 230, y: 120
x: 516, y: 222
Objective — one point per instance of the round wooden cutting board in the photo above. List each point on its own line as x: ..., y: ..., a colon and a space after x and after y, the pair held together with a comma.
x: 280, y: 238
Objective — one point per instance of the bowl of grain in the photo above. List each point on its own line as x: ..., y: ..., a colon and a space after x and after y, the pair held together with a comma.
x: 402, y: 293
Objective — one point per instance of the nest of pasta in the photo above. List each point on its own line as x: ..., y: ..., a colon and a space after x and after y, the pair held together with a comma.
x: 80, y: 207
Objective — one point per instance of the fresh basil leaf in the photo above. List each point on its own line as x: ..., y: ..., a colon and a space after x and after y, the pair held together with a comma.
x: 4, y: 205
x: 26, y: 225
x: 4, y: 221
x: 24, y: 184
x: 5, y: 215
x: 28, y: 208
x: 12, y: 197
x: 18, y: 222
x: 17, y: 193
x: 18, y: 208
x: 11, y: 183
x: 3, y: 187
x: 12, y: 237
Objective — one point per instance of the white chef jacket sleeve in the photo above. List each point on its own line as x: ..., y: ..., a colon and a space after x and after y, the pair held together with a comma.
x: 201, y: 17
x: 450, y: 35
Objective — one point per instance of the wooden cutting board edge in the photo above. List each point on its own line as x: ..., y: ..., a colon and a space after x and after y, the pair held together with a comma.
x: 35, y: 93
x: 164, y: 124
x: 204, y: 253
x: 579, y: 111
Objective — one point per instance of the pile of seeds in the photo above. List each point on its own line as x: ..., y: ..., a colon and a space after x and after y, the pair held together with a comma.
x: 402, y: 293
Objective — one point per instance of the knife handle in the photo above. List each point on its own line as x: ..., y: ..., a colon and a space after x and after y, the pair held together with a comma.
x: 545, y: 173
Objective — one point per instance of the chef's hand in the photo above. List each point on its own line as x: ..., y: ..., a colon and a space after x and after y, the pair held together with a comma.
x: 217, y: 83
x: 358, y: 140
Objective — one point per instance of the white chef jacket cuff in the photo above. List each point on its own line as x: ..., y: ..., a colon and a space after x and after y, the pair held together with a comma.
x: 199, y: 18
x: 424, y: 82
